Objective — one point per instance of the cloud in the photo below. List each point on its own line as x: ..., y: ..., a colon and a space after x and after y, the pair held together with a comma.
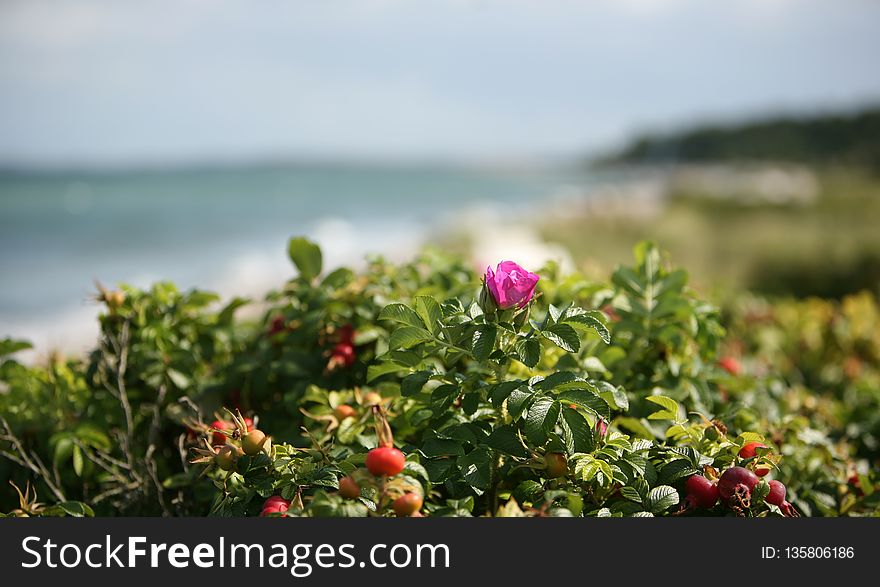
x: 100, y: 80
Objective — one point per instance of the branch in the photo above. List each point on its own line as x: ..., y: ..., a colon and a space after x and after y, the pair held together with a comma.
x: 24, y: 459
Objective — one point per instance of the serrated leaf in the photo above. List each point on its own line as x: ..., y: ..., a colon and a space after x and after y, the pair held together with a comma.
x: 529, y: 351
x: 483, y: 342
x: 401, y: 313
x: 517, y: 402
x: 576, y: 431
x: 563, y: 336
x: 380, y: 369
x: 505, y: 439
x: 475, y: 467
x: 590, y: 468
x: 441, y: 447
x: 661, y: 498
x: 529, y: 491
x: 429, y: 311
x: 748, y: 437
x: 631, y: 493
x: 669, y: 405
x: 541, y: 419
x: 413, y: 384
x: 586, y: 400
x: 408, y: 337
x: 500, y: 391
x: 590, y: 321
x: 676, y: 470
x: 615, y: 396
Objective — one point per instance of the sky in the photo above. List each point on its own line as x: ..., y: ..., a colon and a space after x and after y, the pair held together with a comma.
x: 126, y: 82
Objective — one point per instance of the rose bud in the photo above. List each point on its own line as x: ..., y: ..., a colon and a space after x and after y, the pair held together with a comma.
x: 508, y: 286
x: 601, y: 428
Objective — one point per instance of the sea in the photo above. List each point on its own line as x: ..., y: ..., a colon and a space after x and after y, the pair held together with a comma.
x: 225, y: 229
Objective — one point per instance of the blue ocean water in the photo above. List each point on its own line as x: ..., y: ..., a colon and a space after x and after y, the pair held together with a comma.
x: 221, y: 228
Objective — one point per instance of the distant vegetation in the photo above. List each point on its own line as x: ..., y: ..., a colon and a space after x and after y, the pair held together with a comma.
x: 852, y: 139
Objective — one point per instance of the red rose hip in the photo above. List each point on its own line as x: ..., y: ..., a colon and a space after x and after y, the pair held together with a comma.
x: 385, y: 460
x: 777, y: 493
x: 344, y: 411
x: 407, y: 504
x: 701, y: 492
x: 348, y: 488
x: 555, y: 465
x: 733, y: 478
x: 731, y: 365
x: 750, y: 449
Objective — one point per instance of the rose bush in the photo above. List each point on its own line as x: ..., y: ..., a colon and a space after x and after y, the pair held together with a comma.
x: 530, y: 394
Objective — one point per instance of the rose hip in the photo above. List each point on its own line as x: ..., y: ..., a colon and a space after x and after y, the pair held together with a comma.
x: 777, y: 493
x: 407, y: 504
x: 385, y: 461
x: 701, y: 492
x: 734, y: 478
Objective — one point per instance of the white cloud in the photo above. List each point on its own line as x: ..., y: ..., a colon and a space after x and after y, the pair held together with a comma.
x: 116, y: 80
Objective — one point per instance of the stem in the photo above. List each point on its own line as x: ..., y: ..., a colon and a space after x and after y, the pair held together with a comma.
x: 32, y: 462
x: 493, y: 482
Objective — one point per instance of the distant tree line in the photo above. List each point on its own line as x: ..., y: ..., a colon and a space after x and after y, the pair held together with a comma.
x: 839, y: 139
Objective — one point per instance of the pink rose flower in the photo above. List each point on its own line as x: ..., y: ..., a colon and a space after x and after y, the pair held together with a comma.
x: 511, y: 285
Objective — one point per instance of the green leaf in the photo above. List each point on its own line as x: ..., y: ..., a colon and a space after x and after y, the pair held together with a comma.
x: 517, y: 402
x: 179, y: 380
x: 634, y: 425
x: 413, y: 384
x: 500, y: 391
x: 541, y: 419
x: 748, y: 437
x: 415, y: 469
x: 589, y: 468
x: 631, y: 493
x: 338, y: 278
x: 576, y: 431
x: 9, y: 346
x: 669, y: 405
x: 228, y: 312
x: 661, y: 498
x: 529, y: 351
x: 504, y: 439
x: 380, y: 369
x: 762, y: 489
x: 402, y: 313
x: 677, y: 469
x: 528, y: 490
x: 408, y: 337
x: 590, y: 321
x: 440, y: 447
x: 563, y: 336
x: 307, y: 257
x: 76, y: 509
x: 586, y: 400
x: 476, y: 468
x: 429, y: 311
x: 77, y: 461
x: 615, y: 396
x: 483, y: 341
